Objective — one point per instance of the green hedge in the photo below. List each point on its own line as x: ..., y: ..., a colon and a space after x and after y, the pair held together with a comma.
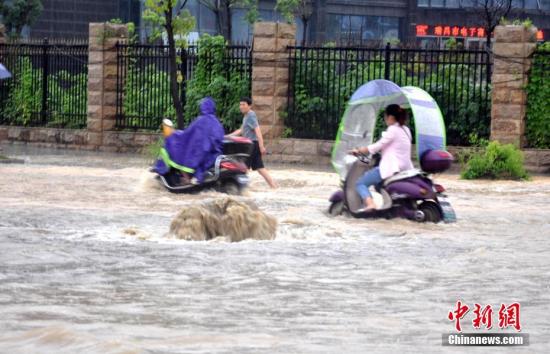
x: 67, y: 97
x: 495, y: 161
x: 146, y: 95
x: 147, y: 90
x: 538, y: 100
x: 324, y: 83
x: 212, y: 77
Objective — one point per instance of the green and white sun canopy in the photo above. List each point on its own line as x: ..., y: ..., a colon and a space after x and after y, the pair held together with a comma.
x: 358, y: 122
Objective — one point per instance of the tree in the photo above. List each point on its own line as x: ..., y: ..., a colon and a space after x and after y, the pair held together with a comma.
x: 223, y: 9
x: 18, y: 14
x: 492, y: 11
x: 302, y: 9
x: 177, y: 23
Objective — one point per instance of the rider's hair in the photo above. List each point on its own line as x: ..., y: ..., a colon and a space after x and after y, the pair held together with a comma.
x: 399, y: 113
x: 246, y: 99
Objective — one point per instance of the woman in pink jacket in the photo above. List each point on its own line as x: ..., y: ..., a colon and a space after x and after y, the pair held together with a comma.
x: 395, y: 145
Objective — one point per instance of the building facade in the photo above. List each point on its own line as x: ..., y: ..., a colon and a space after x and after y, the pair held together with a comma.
x: 433, y: 21
x: 70, y: 18
x: 341, y: 21
x: 428, y: 22
x: 359, y: 21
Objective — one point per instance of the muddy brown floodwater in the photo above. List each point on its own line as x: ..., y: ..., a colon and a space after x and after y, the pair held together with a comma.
x: 86, y: 265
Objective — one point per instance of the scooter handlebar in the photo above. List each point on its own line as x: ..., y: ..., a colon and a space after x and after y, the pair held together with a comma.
x: 361, y: 156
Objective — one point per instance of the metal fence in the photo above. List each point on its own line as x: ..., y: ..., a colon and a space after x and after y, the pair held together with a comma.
x: 322, y: 79
x: 48, y: 86
x: 143, y: 82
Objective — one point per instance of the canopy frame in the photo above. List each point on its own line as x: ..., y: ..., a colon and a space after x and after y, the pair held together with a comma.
x: 374, y: 96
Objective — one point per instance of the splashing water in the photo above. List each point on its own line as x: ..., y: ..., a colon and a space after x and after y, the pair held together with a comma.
x: 223, y: 217
x: 86, y: 265
x: 147, y: 183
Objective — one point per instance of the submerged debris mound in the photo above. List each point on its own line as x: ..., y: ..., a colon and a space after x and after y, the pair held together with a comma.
x: 223, y: 217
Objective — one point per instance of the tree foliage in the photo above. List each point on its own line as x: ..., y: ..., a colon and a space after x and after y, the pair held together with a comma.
x: 166, y: 18
x: 67, y: 97
x: 321, y: 89
x: 490, y: 12
x: 146, y: 95
x: 223, y: 10
x: 17, y: 14
x: 538, y: 99
x: 303, y: 9
x: 496, y: 161
x: 213, y: 77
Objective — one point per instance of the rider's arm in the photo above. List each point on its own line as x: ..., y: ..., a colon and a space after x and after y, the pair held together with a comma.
x: 237, y: 132
x: 387, y: 137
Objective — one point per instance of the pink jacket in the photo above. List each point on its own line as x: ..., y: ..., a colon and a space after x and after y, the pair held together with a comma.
x: 395, y: 145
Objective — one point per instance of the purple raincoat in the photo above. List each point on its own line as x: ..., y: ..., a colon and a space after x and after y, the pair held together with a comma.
x: 198, y: 146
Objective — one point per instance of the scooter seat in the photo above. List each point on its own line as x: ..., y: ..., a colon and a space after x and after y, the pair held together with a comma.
x: 401, y: 176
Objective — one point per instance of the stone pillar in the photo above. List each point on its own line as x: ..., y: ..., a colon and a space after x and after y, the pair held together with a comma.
x: 102, y: 78
x: 270, y: 74
x: 513, y: 49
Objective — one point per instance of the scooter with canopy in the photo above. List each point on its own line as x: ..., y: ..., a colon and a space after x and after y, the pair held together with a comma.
x: 410, y: 194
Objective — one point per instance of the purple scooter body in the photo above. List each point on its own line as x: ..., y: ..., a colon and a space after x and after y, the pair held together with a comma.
x: 411, y: 195
x: 412, y: 188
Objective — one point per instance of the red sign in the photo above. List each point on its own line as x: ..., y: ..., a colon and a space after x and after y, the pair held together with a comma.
x: 421, y: 30
x: 457, y: 31
x: 481, y: 32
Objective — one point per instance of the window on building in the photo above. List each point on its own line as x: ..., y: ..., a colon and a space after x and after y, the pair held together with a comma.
x: 300, y: 30
x: 350, y: 28
x: 452, y: 4
x: 531, y: 4
x: 517, y: 4
x: 271, y: 15
x: 193, y: 7
x: 129, y: 11
x: 207, y: 22
x: 544, y: 4
x: 526, y: 4
x: 241, y: 31
x: 468, y: 3
x: 204, y: 17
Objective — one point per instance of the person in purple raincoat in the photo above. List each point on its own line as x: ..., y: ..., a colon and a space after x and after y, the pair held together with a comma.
x: 194, y: 150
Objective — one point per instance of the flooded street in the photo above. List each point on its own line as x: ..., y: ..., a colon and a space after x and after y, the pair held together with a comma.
x: 86, y: 267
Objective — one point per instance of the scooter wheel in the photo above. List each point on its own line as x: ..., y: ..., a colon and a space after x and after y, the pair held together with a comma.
x: 431, y: 212
x: 336, y: 208
x: 231, y: 188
